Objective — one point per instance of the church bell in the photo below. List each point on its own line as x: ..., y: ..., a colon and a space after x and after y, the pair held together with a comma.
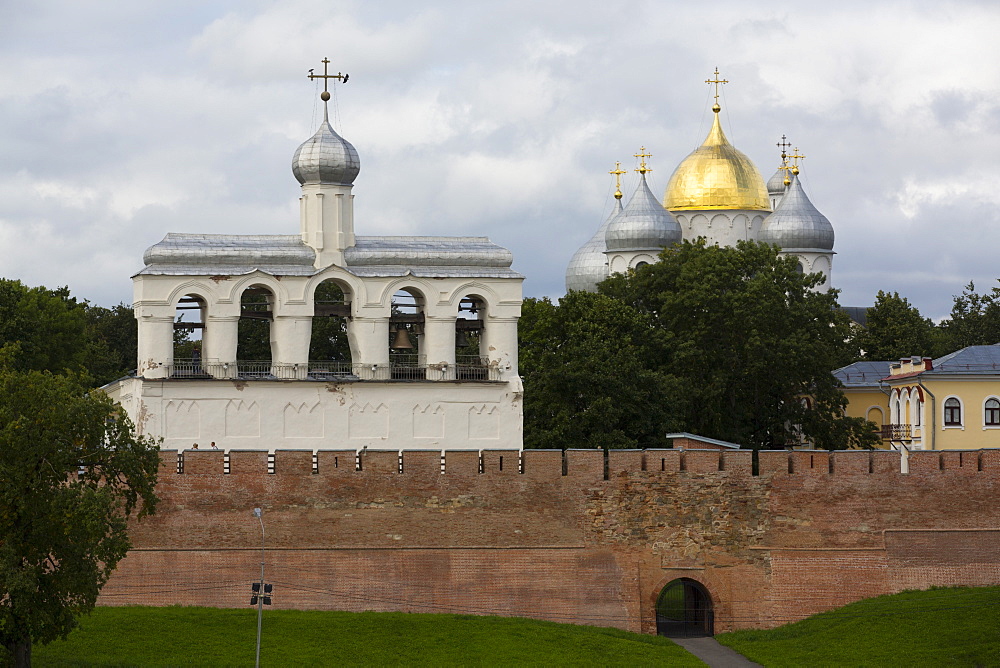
x: 402, y: 340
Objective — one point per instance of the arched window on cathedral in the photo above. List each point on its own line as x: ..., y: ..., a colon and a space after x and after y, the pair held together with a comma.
x: 406, y: 336
x: 189, y: 335
x: 253, y: 339
x: 469, y: 328
x: 330, y: 353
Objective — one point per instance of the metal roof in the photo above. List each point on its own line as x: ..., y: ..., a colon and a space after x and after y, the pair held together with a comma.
x: 863, y: 374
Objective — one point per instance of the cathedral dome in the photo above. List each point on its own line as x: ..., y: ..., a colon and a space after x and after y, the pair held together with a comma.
x: 796, y: 223
x: 716, y: 176
x: 776, y: 184
x: 326, y: 157
x: 589, y: 264
x: 644, y: 224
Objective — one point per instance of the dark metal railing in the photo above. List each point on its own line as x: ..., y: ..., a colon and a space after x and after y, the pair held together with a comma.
x: 401, y: 367
x: 897, y: 432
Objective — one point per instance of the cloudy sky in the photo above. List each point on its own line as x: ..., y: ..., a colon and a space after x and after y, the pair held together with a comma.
x: 123, y: 120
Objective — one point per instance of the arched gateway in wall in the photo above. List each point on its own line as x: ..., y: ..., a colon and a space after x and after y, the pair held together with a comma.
x: 684, y: 608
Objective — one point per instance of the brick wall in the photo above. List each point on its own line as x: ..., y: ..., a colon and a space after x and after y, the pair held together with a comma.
x: 567, y: 536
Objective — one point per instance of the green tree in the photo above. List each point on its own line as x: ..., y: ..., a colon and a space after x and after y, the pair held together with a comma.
x: 113, y: 340
x: 745, y: 338
x: 71, y: 473
x: 895, y: 329
x: 329, y: 334
x: 588, y: 377
x: 974, y: 321
x: 49, y: 326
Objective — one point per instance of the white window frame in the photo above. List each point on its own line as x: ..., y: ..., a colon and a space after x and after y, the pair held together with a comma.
x: 961, y: 408
x: 985, y: 425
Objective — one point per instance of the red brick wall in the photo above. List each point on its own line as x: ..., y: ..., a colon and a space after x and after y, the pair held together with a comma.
x: 568, y: 536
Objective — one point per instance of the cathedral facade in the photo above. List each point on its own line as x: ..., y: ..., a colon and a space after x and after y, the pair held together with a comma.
x: 428, y: 327
x: 715, y: 193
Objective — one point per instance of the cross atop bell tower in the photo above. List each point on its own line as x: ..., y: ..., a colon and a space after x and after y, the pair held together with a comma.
x: 326, y: 76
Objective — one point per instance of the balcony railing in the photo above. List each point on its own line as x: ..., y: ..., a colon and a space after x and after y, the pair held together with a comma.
x: 897, y: 432
x: 400, y: 368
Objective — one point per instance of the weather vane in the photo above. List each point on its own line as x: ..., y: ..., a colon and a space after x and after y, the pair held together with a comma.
x: 325, y: 95
x: 642, y: 155
x: 618, y: 171
x: 716, y: 108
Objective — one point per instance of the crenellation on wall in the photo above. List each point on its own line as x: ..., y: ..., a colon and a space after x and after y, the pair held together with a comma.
x: 293, y: 462
x: 738, y: 462
x: 466, y: 463
x: 701, y: 461
x: 924, y: 462
x: 809, y: 462
x: 248, y: 462
x: 543, y: 464
x: 168, y: 464
x: 201, y: 462
x: 624, y: 461
x: 661, y: 461
x: 962, y: 461
x: 502, y: 462
x: 773, y: 462
x: 850, y: 462
x: 376, y: 462
x: 336, y: 462
x: 989, y: 460
x: 885, y: 462
x: 421, y: 463
x: 585, y: 464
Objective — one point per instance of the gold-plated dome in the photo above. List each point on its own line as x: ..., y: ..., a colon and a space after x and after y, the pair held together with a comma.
x: 716, y: 176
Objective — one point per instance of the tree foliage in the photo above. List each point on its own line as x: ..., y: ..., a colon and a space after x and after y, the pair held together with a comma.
x: 71, y: 474
x: 732, y: 343
x: 896, y: 329
x: 49, y: 326
x: 974, y: 320
x: 586, y: 372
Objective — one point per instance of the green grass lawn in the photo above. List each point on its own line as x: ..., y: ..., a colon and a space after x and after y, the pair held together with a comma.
x: 939, y: 627
x: 175, y: 636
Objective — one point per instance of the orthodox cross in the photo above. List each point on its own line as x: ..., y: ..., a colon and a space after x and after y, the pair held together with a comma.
x: 618, y: 171
x: 642, y: 155
x: 783, y: 145
x: 716, y: 81
x: 325, y: 95
x: 796, y: 156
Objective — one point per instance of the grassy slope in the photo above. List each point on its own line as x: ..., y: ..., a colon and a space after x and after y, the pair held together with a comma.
x: 938, y: 627
x: 206, y: 636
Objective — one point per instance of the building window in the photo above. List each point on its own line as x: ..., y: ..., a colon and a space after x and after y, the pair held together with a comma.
x: 952, y: 412
x: 915, y: 406
x: 992, y: 410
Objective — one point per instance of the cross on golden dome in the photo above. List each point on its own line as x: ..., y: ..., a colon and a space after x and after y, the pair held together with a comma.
x: 715, y: 107
x: 618, y: 171
x: 642, y: 155
x: 325, y: 95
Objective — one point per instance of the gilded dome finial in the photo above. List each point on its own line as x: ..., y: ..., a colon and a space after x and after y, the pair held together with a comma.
x: 795, y: 156
x: 618, y: 171
x: 715, y: 107
x: 325, y: 95
x: 642, y: 155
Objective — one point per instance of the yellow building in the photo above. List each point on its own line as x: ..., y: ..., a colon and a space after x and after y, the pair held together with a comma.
x: 948, y: 403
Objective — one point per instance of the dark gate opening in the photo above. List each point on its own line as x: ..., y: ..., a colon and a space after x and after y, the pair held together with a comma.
x: 684, y: 609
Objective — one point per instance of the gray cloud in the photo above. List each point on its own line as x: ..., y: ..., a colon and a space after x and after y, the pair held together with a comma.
x: 121, y: 122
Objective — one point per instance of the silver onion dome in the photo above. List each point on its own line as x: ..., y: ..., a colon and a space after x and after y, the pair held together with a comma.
x: 776, y: 184
x: 796, y: 223
x: 326, y: 157
x: 643, y: 225
x: 589, y: 264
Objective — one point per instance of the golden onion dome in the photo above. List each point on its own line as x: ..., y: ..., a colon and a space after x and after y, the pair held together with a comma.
x: 716, y: 176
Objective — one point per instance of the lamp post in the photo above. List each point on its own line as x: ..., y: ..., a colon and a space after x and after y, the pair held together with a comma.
x: 260, y: 599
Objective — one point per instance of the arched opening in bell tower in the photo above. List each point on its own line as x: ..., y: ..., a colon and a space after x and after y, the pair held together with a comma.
x: 189, y: 337
x: 406, y: 336
x: 330, y: 351
x: 470, y: 326
x: 684, y: 609
x: 254, y: 340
